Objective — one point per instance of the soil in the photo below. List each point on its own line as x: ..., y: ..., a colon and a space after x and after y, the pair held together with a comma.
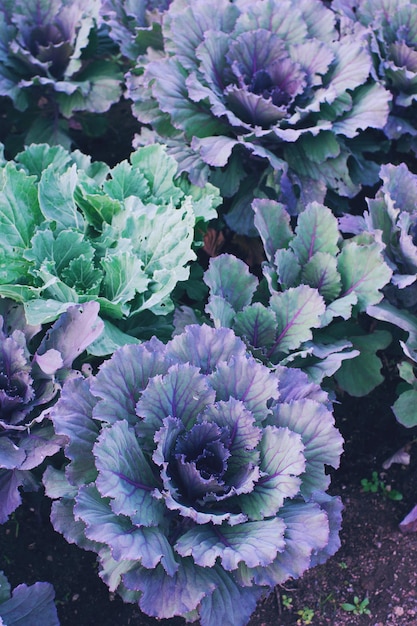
x: 376, y: 560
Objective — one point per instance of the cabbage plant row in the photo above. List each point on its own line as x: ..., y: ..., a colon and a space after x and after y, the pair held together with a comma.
x: 192, y: 402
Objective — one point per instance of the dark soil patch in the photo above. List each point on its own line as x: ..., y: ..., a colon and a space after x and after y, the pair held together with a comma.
x: 376, y: 561
x: 114, y: 142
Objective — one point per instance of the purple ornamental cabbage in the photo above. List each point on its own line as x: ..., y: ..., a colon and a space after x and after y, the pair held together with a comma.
x: 29, y: 384
x: 134, y: 24
x: 196, y: 474
x: 248, y: 83
x: 392, y: 218
x: 392, y: 28
x: 54, y: 63
x: 31, y: 606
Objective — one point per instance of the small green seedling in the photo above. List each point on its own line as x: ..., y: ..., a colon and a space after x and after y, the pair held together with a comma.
x: 376, y: 485
x: 359, y: 607
x: 342, y: 565
x: 286, y: 601
x: 306, y: 616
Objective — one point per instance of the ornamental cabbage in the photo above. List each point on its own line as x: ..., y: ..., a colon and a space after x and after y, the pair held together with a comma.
x: 392, y: 218
x: 73, y: 231
x: 306, y: 311
x: 32, y: 605
x: 29, y: 384
x: 196, y: 474
x: 54, y: 62
x: 392, y: 35
x: 134, y: 25
x: 244, y: 84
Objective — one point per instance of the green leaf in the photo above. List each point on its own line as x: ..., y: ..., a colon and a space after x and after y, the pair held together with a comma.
x: 81, y: 275
x: 49, y: 130
x: 160, y: 171
x: 97, y: 208
x: 160, y: 236
x: 56, y: 197
x: 256, y: 325
x: 273, y: 223
x: 37, y: 157
x: 58, y: 251
x: 20, y: 293
x: 12, y: 270
x: 320, y: 148
x: 53, y: 286
x: 359, y: 376
x: 5, y: 588
x: 363, y: 272
x: 204, y: 200
x: 321, y: 272
x: 404, y: 408
x: 317, y: 231
x: 221, y: 312
x: 44, y: 310
x: 298, y: 311
x: 126, y: 181
x: 341, y: 307
x: 123, y: 277
x: 288, y: 268
x: 406, y: 372
x: 229, y: 278
x: 98, y: 86
x: 20, y: 213
x: 110, y: 340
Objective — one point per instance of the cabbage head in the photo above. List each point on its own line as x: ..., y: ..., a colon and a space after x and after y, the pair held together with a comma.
x: 196, y: 474
x: 243, y: 84
x: 30, y: 381
x: 55, y: 62
x: 392, y: 35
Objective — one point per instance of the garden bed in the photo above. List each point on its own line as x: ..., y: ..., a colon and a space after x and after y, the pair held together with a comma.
x: 297, y: 200
x: 376, y: 560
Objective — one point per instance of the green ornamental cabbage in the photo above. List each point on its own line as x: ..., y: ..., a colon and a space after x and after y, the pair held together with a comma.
x: 73, y: 231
